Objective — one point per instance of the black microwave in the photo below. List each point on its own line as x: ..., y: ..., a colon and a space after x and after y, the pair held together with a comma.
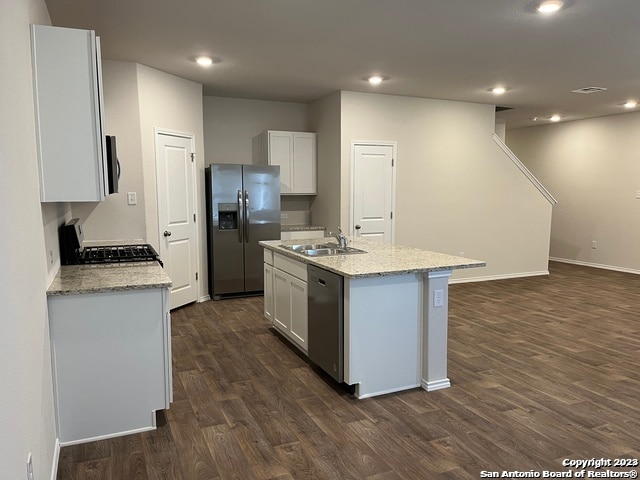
x: 113, y: 165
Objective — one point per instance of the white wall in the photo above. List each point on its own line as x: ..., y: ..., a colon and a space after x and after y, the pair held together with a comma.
x: 456, y: 190
x: 325, y: 119
x: 231, y: 123
x: 170, y: 103
x: 592, y: 167
x: 26, y: 392
x: 114, y: 219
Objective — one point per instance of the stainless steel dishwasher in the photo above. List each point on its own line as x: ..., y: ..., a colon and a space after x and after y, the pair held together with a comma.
x: 326, y: 318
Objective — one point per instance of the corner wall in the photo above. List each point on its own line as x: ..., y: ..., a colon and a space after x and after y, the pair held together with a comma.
x: 456, y: 191
x: 171, y: 103
x: 26, y: 392
x: 325, y: 120
x: 592, y: 167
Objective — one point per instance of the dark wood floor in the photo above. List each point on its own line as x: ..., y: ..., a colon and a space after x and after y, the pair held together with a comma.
x: 542, y: 369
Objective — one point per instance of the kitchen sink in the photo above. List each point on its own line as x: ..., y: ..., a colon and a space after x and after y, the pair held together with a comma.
x: 322, y: 249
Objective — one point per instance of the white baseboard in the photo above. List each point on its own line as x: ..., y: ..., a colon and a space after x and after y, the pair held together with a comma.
x: 508, y: 276
x: 56, y: 459
x: 108, y: 436
x: 595, y: 265
x: 204, y: 298
x: 434, y: 385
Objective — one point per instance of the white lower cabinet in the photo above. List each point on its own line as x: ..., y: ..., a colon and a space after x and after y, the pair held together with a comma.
x: 111, y: 357
x: 288, y: 299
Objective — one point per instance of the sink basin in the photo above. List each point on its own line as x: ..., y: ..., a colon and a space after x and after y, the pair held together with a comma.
x: 322, y: 249
x: 309, y: 246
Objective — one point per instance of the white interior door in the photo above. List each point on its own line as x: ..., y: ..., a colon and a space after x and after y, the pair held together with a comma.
x: 175, y: 167
x: 373, y: 191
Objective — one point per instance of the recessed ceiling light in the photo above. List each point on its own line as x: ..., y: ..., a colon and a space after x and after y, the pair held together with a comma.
x: 204, y: 61
x: 555, y: 118
x: 375, y: 79
x: 498, y: 90
x: 550, y: 6
x: 631, y: 104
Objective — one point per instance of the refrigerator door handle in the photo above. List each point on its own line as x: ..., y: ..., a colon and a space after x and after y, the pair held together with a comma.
x: 246, y: 216
x: 241, y: 215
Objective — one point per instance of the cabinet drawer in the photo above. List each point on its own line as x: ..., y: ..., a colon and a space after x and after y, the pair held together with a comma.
x: 268, y: 256
x: 291, y: 266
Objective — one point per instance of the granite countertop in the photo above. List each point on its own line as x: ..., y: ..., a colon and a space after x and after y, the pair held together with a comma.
x: 300, y: 228
x: 380, y: 259
x: 79, y: 279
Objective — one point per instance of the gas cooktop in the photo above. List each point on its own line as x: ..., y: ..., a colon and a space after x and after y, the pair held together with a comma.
x: 117, y: 254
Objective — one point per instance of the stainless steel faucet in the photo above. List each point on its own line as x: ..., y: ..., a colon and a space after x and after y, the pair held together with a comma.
x: 340, y: 237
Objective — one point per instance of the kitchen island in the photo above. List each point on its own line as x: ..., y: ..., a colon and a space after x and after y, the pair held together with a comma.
x: 395, y: 311
x: 110, y: 332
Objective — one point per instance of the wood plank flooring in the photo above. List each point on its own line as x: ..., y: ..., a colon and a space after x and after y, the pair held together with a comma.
x: 542, y: 369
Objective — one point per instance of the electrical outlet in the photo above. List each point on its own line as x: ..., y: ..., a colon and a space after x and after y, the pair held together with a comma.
x: 594, y: 244
x: 51, y: 257
x: 283, y: 216
x: 638, y: 194
x: 132, y: 198
x: 438, y: 298
x: 30, y: 468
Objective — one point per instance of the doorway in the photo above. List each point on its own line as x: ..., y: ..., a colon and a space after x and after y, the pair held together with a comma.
x: 373, y: 181
x: 175, y: 170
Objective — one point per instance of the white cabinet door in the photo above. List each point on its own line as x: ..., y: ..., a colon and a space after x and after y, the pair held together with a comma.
x: 304, y: 163
x: 290, y: 311
x: 268, y: 292
x: 282, y: 301
x: 68, y: 104
x: 299, y: 312
x: 281, y: 153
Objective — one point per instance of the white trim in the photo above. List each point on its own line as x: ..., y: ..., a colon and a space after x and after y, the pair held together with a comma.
x: 173, y: 133
x: 436, y: 385
x: 394, y: 147
x: 56, y: 459
x: 383, y: 392
x: 439, y: 273
x: 204, y: 298
x: 536, y: 183
x: 508, y: 276
x: 595, y: 265
x: 106, y: 437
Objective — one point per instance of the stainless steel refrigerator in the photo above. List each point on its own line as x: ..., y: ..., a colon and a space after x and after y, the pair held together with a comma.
x: 243, y: 208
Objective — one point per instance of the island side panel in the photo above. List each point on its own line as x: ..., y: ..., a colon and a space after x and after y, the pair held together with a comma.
x: 434, y: 330
x: 382, y: 333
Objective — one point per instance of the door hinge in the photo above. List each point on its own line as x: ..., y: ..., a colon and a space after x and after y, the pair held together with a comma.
x: 196, y: 276
x: 393, y: 162
x: 194, y: 217
x: 193, y: 157
x: 391, y: 215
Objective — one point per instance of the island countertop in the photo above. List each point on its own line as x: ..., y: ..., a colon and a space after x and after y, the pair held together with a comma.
x: 380, y: 259
x: 82, y: 279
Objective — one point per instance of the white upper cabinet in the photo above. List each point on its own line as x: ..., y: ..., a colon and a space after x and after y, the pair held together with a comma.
x: 295, y: 153
x: 68, y: 104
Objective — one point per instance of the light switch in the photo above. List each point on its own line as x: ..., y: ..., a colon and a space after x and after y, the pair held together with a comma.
x: 132, y: 198
x: 638, y: 194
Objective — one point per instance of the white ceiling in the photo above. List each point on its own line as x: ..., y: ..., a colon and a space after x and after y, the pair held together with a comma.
x: 302, y: 50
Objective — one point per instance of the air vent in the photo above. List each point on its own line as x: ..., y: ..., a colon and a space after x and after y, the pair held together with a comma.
x: 587, y: 90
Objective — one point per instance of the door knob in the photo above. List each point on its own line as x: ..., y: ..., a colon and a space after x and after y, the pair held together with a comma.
x: 358, y: 227
x: 167, y: 233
